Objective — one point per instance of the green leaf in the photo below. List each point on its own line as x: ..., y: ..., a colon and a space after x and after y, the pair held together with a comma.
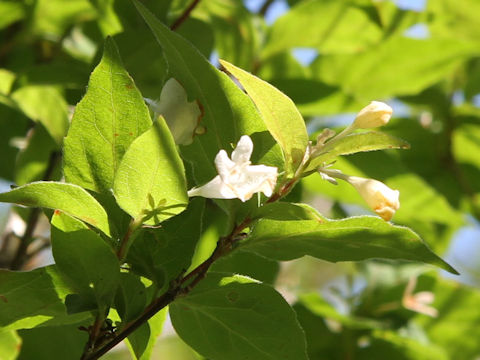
x: 142, y: 341
x: 85, y: 259
x: 106, y: 121
x: 10, y: 344
x: 279, y: 114
x: 228, y: 112
x: 351, y: 239
x: 46, y: 105
x: 150, y: 182
x: 333, y: 26
x: 131, y: 297
x: 247, y: 320
x: 34, y: 298
x: 373, y: 73
x: 162, y: 254
x: 70, y: 199
x: 56, y: 342
x: 361, y: 142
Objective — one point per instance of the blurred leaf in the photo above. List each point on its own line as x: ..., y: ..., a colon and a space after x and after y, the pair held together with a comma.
x: 374, y: 74
x: 10, y: 343
x: 456, y: 327
x: 351, y: 239
x: 51, y: 18
x: 320, y: 307
x: 46, y: 105
x: 142, y: 341
x: 244, y: 317
x: 107, y: 18
x: 236, y: 36
x: 229, y: 113
x: 333, y: 27
x: 85, y: 259
x: 279, y: 114
x: 106, y: 121
x: 38, y: 304
x: 56, y: 342
x: 68, y: 198
x: 360, y: 142
x: 11, y: 10
x: 388, y: 344
x: 199, y: 34
x: 150, y: 182
x: 33, y: 161
x: 162, y: 254
x: 6, y: 78
x: 13, y: 125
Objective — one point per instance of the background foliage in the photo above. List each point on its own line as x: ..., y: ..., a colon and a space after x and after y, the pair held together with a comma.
x: 331, y: 58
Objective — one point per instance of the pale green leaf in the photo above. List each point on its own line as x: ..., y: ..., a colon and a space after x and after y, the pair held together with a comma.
x: 361, y: 142
x: 85, y: 259
x: 150, y: 183
x: 70, y: 199
x: 106, y: 121
x: 10, y: 344
x: 279, y: 114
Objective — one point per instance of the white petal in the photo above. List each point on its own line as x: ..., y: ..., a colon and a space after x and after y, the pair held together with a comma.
x: 223, y: 164
x: 215, y: 189
x: 243, y: 151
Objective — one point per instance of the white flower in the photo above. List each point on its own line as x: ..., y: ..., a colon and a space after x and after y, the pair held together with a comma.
x: 182, y: 117
x: 236, y: 177
x: 420, y: 301
x: 373, y: 115
x: 383, y: 200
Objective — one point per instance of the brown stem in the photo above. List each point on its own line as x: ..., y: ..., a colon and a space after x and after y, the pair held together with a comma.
x: 122, y: 250
x: 185, y: 15
x: 93, y: 336
x: 263, y: 10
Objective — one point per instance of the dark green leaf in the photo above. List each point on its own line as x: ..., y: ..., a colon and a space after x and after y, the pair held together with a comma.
x: 85, y: 259
x: 56, y: 342
x: 162, y: 254
x: 34, y: 298
x: 247, y: 320
x: 351, y: 239
x: 141, y: 342
x: 228, y: 112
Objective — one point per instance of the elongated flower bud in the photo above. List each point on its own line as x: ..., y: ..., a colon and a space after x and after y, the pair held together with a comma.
x: 373, y: 115
x: 383, y: 200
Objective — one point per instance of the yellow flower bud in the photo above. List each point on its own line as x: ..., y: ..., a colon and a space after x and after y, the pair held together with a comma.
x: 373, y: 115
x: 383, y: 200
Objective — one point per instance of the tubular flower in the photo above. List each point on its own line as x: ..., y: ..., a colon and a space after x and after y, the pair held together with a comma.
x: 383, y: 200
x: 237, y: 178
x: 373, y: 115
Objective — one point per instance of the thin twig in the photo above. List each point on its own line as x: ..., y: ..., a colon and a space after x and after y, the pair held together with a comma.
x: 185, y: 15
x: 263, y: 10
